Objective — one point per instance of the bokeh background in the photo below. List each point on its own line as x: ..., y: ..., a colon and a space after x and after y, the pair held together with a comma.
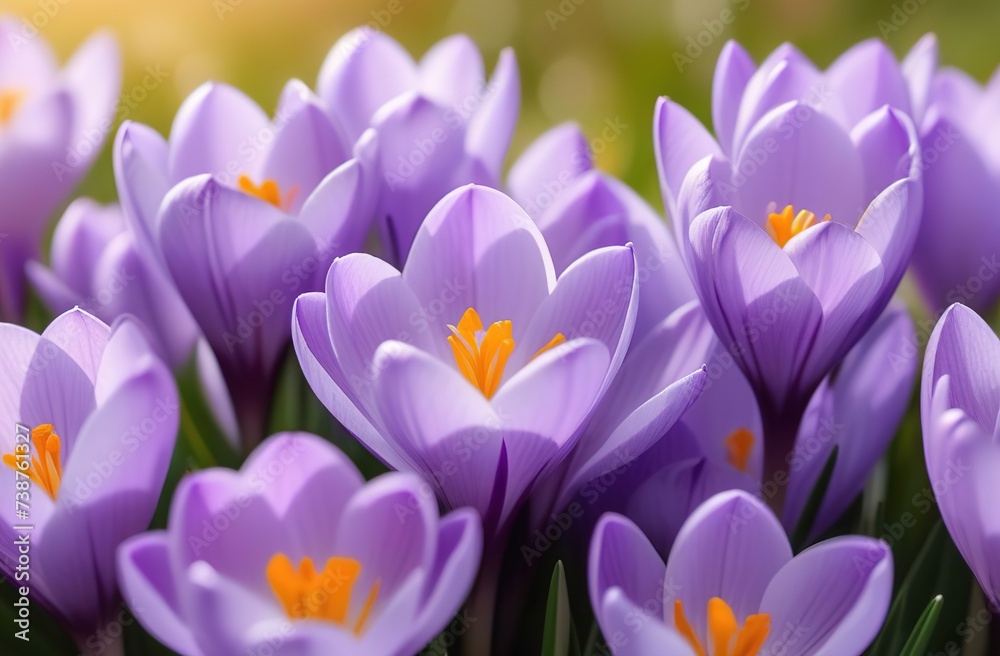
x: 590, y: 61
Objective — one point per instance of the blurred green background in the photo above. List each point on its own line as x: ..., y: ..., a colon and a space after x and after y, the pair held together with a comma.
x: 583, y: 60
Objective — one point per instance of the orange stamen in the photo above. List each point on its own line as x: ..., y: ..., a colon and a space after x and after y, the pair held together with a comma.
x: 45, y: 467
x: 308, y: 594
x: 785, y: 225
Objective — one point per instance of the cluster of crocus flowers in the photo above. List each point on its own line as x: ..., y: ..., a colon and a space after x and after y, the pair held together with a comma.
x: 96, y: 413
x: 959, y: 406
x: 797, y: 221
x: 295, y: 553
x: 508, y: 344
x: 52, y: 125
x: 732, y: 586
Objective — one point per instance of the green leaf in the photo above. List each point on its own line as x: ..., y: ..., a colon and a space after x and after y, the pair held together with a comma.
x: 917, y: 643
x: 808, y: 518
x: 556, y: 639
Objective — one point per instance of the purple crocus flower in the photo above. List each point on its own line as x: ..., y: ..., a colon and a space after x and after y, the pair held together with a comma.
x: 440, y: 123
x: 732, y: 586
x: 296, y: 554
x: 245, y: 214
x: 797, y: 229
x: 959, y: 405
x: 473, y: 372
x: 580, y: 209
x: 52, y: 125
x: 858, y: 408
x: 688, y: 459
x: 91, y: 415
x: 96, y: 265
x: 956, y: 257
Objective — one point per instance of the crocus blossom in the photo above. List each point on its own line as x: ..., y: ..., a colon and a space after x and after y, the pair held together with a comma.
x: 702, y: 452
x: 96, y: 415
x: 245, y: 213
x: 797, y: 230
x: 52, y: 125
x: 473, y: 372
x: 957, y: 256
x: 959, y: 405
x: 857, y: 408
x: 296, y: 554
x: 440, y: 123
x: 579, y: 209
x: 96, y: 265
x: 732, y: 586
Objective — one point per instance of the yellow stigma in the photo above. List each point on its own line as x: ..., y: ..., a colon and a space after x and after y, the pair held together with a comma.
x: 722, y: 628
x: 10, y: 100
x: 45, y: 468
x: 782, y: 227
x: 308, y: 594
x: 267, y: 190
x: 738, y: 445
x: 482, y: 361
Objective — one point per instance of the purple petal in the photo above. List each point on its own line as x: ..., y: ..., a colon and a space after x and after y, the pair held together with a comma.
x: 732, y: 73
x: 462, y: 257
x: 364, y: 70
x: 965, y: 349
x: 492, y: 126
x: 547, y: 168
x: 320, y: 472
x: 831, y: 598
x: 890, y: 148
x: 306, y: 145
x: 94, y: 77
x: 214, y: 132
x: 845, y: 274
x: 543, y: 408
x: 744, y: 279
x: 594, y: 298
x: 452, y: 70
x: 319, y: 363
x: 621, y: 557
x: 149, y: 588
x: 142, y: 177
x: 859, y: 409
x: 711, y: 554
x: 389, y: 526
x: 919, y: 67
x: 680, y: 140
x: 866, y: 78
x: 796, y: 155
x: 454, y: 434
x: 422, y: 159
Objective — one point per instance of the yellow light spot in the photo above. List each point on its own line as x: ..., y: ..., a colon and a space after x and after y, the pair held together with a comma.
x: 782, y: 227
x: 482, y: 361
x: 45, y: 468
x: 268, y: 190
x: 326, y: 595
x: 10, y: 100
x: 722, y: 628
x: 738, y: 445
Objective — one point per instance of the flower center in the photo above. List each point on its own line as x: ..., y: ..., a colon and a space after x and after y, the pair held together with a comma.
x: 481, y: 357
x: 722, y: 628
x: 10, y: 100
x: 787, y: 224
x: 326, y: 595
x: 268, y: 190
x: 45, y: 466
x: 738, y: 445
